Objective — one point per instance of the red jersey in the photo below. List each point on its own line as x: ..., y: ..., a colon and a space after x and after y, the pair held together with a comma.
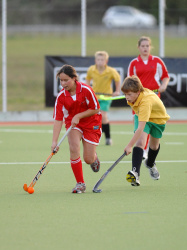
x: 67, y: 106
x: 149, y: 74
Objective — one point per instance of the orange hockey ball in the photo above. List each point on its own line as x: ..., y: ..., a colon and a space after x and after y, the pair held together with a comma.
x: 30, y: 190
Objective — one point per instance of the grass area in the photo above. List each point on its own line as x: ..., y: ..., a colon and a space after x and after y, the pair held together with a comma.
x: 26, y: 53
x: 151, y: 216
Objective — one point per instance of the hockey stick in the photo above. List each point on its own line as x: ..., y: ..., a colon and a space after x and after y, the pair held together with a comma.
x: 37, y: 176
x: 106, y: 98
x: 155, y: 91
x: 95, y: 189
x: 99, y: 93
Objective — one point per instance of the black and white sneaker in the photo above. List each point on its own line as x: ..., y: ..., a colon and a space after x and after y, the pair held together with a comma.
x: 152, y: 171
x: 133, y: 178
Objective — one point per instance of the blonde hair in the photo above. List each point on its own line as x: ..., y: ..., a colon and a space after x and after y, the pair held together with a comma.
x: 102, y: 53
x: 144, y: 38
x: 132, y: 84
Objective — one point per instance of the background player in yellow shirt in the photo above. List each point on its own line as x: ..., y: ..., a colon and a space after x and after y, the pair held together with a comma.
x: 150, y: 118
x: 100, y: 76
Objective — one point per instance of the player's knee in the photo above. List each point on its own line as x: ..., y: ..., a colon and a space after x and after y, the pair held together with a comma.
x: 154, y: 143
x: 74, y: 149
x: 154, y: 147
x: 140, y: 144
x: 88, y: 159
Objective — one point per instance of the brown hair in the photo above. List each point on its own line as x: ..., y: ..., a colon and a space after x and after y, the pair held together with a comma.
x: 132, y: 84
x: 144, y: 38
x: 68, y: 70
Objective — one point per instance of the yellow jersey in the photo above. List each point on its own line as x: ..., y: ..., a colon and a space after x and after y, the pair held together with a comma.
x: 102, y: 82
x: 149, y: 108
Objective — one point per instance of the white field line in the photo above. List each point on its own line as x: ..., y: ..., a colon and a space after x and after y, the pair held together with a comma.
x: 9, y: 130
x: 165, y: 133
x: 174, y: 143
x: 102, y: 162
x: 50, y: 131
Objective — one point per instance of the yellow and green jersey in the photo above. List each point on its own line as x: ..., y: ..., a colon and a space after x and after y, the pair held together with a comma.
x: 102, y: 82
x: 149, y: 108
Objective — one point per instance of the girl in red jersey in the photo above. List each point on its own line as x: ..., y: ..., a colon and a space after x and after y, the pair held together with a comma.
x: 78, y: 106
x: 151, y: 71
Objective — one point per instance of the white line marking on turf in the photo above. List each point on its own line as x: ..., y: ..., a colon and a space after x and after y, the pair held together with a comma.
x: 174, y: 143
x: 135, y: 212
x: 63, y: 131
x: 26, y: 131
x: 165, y: 133
x: 103, y: 162
x: 174, y: 133
x: 122, y: 132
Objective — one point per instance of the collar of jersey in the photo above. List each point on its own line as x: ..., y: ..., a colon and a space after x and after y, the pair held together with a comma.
x: 96, y: 70
x: 149, y: 58
x: 137, y: 100
x: 78, y: 89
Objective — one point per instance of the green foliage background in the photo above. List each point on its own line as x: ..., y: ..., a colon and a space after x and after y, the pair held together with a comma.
x: 68, y: 12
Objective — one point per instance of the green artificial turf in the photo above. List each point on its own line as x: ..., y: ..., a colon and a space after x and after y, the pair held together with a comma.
x: 152, y: 216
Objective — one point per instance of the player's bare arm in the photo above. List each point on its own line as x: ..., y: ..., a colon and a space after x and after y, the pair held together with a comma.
x: 117, y: 92
x: 84, y: 114
x: 164, y: 85
x: 56, y: 132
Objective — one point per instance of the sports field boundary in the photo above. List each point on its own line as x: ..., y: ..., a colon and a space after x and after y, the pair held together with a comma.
x: 116, y: 115
x: 102, y: 162
x: 2, y: 124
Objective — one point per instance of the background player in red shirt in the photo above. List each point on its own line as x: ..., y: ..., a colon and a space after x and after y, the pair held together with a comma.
x: 151, y: 71
x: 78, y: 106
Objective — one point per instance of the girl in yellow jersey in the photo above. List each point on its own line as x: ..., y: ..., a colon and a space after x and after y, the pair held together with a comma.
x: 102, y: 76
x: 150, y: 118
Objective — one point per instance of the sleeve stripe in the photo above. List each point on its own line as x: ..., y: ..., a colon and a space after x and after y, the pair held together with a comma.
x: 130, y: 65
x: 55, y: 108
x: 93, y: 97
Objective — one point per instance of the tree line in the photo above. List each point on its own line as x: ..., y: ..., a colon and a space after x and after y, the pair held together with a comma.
x: 68, y: 12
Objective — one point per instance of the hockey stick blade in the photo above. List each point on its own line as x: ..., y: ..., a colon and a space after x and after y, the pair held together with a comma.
x: 95, y: 189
